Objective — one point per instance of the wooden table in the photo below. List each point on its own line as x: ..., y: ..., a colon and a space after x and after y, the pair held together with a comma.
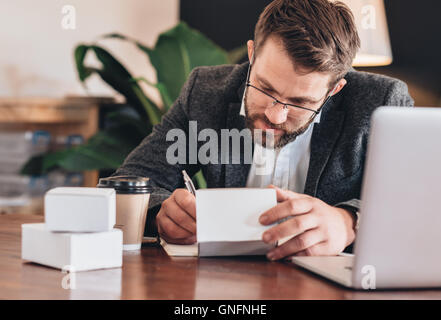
x: 151, y: 274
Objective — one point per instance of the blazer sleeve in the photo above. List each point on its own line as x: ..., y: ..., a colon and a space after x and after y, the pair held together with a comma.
x: 397, y: 95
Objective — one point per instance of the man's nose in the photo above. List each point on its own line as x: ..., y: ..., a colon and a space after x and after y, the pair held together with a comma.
x: 276, y: 114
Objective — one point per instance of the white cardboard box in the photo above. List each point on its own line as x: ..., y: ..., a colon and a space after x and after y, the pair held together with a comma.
x: 78, y: 209
x: 71, y: 251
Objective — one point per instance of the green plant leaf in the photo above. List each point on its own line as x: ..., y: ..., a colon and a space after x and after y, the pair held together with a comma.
x: 79, y: 56
x: 117, y: 76
x: 52, y: 160
x: 162, y: 91
x: 119, y: 118
x: 33, y: 166
x: 107, y: 149
x: 199, y: 179
x: 87, y: 159
x: 115, y: 35
x: 43, y: 163
x: 167, y: 100
x: 153, y: 111
x: 176, y: 52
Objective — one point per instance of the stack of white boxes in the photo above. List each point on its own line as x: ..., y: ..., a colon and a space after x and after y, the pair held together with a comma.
x: 78, y: 233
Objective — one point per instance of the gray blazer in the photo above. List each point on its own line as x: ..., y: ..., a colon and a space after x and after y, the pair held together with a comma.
x: 212, y: 97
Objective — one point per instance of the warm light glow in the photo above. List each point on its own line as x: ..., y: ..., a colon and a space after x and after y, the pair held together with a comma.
x: 370, y: 18
x: 371, y: 60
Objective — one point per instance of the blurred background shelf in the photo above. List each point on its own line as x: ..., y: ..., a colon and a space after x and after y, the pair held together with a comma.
x: 45, y: 111
x: 59, y: 117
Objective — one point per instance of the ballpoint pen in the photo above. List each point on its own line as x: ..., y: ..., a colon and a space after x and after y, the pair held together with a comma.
x: 188, y: 183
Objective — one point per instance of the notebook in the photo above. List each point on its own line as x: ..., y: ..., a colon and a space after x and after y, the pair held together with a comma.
x: 176, y: 250
x: 228, y: 223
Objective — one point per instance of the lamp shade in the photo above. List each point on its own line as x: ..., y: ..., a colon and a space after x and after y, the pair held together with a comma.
x: 370, y: 18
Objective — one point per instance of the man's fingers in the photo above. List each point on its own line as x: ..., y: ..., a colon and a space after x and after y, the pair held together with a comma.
x: 170, y: 230
x: 320, y: 249
x: 186, y: 201
x: 177, y: 218
x: 173, y: 211
x: 291, y: 227
x: 283, y: 195
x: 290, y: 207
x: 300, y: 243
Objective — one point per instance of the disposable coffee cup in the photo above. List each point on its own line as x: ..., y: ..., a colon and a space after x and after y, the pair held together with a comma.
x: 132, y: 201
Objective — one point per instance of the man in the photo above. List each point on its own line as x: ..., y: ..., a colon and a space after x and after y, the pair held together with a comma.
x: 300, y: 87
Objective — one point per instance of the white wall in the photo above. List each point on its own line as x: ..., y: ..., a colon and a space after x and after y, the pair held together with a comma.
x: 36, y: 53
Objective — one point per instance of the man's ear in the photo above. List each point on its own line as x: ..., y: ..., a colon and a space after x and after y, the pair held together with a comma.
x: 250, y: 45
x: 339, y: 86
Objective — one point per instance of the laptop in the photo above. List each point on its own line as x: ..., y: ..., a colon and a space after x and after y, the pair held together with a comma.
x: 398, y: 243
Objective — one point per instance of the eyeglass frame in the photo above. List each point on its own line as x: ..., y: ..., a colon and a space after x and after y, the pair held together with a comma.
x: 285, y: 105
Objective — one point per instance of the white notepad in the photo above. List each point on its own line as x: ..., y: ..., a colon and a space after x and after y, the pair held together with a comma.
x: 228, y: 223
x: 179, y: 250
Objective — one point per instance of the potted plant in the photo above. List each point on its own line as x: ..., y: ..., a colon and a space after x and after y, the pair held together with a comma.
x: 176, y: 52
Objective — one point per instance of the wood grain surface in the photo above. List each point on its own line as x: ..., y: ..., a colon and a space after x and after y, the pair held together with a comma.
x: 151, y: 274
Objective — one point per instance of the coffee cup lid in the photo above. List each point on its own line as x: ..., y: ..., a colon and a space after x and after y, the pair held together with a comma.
x: 126, y: 184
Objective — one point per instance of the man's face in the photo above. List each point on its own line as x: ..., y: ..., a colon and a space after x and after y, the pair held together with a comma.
x: 273, y: 72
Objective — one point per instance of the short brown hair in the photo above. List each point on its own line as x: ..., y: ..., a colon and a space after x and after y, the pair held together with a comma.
x: 319, y: 35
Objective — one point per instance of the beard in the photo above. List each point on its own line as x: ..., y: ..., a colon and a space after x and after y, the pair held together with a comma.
x: 268, y: 139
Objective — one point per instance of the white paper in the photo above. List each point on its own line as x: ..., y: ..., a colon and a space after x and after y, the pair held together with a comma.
x: 228, y: 220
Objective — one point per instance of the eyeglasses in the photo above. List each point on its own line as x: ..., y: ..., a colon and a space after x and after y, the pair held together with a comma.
x: 286, y: 106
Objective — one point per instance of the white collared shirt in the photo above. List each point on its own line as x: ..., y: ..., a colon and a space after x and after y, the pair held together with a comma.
x: 285, y: 168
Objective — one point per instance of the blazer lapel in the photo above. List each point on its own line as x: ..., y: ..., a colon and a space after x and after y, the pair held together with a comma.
x: 235, y: 174
x: 324, y: 137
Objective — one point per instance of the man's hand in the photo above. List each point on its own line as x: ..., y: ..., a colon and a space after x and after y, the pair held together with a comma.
x: 176, y: 220
x: 317, y: 228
